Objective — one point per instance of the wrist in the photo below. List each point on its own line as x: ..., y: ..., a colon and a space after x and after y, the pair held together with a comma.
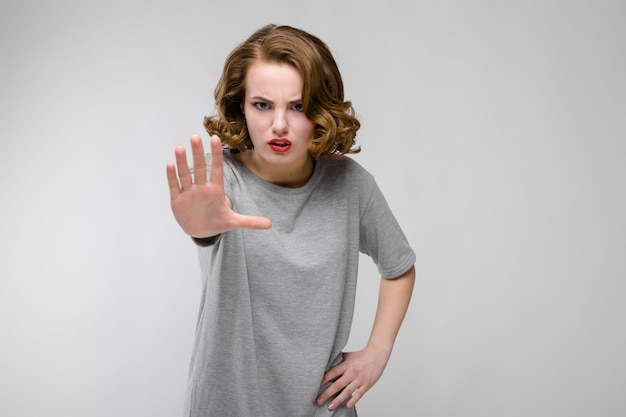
x: 205, y: 241
x: 382, y: 350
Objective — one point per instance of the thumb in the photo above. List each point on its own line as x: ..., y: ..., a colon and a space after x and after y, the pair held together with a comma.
x: 253, y: 222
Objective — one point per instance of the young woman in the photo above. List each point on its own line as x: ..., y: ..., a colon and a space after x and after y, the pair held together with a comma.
x: 280, y: 220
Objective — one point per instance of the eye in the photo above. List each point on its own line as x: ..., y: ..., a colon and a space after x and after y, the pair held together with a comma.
x: 261, y: 105
x: 298, y: 107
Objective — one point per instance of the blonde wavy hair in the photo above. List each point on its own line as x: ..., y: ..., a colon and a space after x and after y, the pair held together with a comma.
x: 322, y: 92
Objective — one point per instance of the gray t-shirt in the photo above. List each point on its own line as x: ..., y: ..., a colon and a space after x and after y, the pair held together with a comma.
x: 277, y: 305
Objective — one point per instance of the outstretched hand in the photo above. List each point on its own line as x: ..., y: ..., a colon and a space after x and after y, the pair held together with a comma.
x: 200, y: 206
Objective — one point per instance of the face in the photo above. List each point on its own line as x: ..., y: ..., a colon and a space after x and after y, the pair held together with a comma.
x: 278, y: 128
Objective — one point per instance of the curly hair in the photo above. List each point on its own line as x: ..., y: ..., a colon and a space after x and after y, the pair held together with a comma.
x: 322, y: 92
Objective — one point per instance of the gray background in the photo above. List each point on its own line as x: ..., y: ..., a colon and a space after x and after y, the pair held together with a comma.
x: 495, y: 129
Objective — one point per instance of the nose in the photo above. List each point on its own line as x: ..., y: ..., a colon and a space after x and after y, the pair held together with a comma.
x: 280, y: 125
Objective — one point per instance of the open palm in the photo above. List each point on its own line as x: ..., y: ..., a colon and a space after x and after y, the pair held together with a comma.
x: 200, y: 206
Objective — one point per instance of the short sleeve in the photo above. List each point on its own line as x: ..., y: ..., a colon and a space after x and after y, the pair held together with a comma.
x: 382, y: 238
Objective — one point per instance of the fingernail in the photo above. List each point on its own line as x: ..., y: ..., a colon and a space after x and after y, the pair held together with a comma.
x: 331, y: 406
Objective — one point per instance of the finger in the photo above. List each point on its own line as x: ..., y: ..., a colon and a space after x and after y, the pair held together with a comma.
x: 172, y: 180
x: 183, y: 168
x: 252, y: 222
x: 356, y: 396
x: 333, y: 389
x: 348, y: 393
x: 333, y: 373
x: 199, y: 160
x: 217, y: 162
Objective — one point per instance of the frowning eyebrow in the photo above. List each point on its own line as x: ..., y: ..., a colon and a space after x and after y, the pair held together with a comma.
x: 266, y: 100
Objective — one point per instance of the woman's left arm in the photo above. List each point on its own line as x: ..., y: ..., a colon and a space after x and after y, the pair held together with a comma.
x: 359, y: 371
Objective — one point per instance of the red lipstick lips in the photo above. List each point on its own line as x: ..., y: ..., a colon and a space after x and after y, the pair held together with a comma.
x: 280, y: 145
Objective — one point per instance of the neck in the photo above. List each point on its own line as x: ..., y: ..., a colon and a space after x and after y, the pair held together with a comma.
x: 290, y: 176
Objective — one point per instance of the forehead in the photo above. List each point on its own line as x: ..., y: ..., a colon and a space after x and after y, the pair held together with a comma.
x: 271, y: 78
